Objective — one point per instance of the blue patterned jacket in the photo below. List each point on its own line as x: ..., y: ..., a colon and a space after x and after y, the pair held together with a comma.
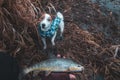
x: 51, y: 31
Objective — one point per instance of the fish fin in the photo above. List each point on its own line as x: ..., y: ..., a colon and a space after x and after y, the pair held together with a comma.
x: 47, y: 73
x: 68, y: 69
x: 35, y: 73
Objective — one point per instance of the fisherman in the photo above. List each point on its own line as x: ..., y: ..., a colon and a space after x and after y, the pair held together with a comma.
x: 57, y: 69
x: 9, y: 70
x: 58, y: 76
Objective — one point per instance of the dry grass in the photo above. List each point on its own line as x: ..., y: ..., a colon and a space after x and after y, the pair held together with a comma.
x: 90, y: 46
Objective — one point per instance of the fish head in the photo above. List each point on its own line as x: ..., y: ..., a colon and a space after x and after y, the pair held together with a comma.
x: 76, y: 68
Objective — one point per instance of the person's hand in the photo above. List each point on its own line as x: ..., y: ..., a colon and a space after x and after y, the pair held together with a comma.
x: 71, y: 76
x: 58, y: 76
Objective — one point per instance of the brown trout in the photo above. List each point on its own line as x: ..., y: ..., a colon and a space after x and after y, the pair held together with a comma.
x: 53, y: 65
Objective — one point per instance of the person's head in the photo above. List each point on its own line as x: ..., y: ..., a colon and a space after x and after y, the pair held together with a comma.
x: 9, y: 68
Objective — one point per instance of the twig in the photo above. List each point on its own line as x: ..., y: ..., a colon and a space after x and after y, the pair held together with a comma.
x: 116, y: 51
x: 114, y: 46
x: 53, y: 7
x: 34, y: 8
x: 49, y: 9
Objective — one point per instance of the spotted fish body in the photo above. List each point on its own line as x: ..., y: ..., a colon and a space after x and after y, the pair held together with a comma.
x: 55, y: 65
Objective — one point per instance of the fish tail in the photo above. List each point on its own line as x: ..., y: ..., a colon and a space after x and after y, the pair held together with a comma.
x: 27, y: 70
x: 24, y: 72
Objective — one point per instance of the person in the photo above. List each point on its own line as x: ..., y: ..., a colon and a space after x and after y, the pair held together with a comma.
x: 58, y: 76
x: 9, y: 69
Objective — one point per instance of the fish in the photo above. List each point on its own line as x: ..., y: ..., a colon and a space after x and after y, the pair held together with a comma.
x: 53, y: 65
